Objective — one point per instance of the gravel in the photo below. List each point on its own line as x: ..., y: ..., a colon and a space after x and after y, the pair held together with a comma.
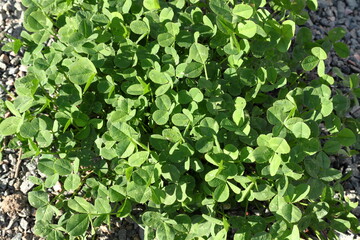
x: 17, y: 217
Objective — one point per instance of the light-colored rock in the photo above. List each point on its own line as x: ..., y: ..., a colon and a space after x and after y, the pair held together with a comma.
x: 353, y: 4
x: 26, y: 186
x: 343, y: 236
x: 13, y: 71
x: 7, y: 7
x: 24, y: 224
x: 4, y: 59
x: 18, y: 6
x: 3, y: 66
x: 341, y: 9
x: 17, y: 236
x: 57, y: 187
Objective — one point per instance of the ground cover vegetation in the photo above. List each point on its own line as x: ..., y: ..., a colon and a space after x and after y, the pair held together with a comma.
x: 201, y: 113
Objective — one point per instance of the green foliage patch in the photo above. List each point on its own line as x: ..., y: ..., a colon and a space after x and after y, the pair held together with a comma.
x: 201, y: 112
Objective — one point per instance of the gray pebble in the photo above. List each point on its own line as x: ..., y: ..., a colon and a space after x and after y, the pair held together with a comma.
x: 15, y: 60
x: 23, y: 68
x: 329, y: 12
x: 341, y: 9
x: 12, y: 159
x: 31, y: 167
x: 355, y: 111
x: 352, y: 4
x: 17, y: 31
x: 11, y: 182
x: 310, y: 23
x: 351, y: 195
x: 26, y: 186
x: 4, y: 59
x: 325, y: 22
x: 5, y: 168
x: 354, y: 42
x: 17, y: 236
x: 3, y: 66
x: 343, y: 236
x: 7, y: 7
x: 18, y: 6
x: 24, y: 224
x: 13, y: 71
x: 122, y: 234
x: 356, y: 211
x: 324, y: 3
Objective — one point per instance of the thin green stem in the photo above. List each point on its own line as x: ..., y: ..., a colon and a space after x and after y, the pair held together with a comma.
x: 206, y: 74
x: 141, y: 38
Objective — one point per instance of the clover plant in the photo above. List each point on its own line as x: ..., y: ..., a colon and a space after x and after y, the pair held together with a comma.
x: 217, y: 118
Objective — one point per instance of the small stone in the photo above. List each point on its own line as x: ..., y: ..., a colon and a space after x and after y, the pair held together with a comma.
x: 355, y: 111
x: 11, y: 182
x: 17, y: 236
x: 4, y: 59
x: 20, y: 74
x: 7, y: 7
x: 351, y: 195
x: 26, y: 186
x: 357, y: 56
x: 18, y: 6
x: 310, y: 23
x: 122, y: 234
x: 348, y: 11
x: 353, y: 33
x: 15, y: 60
x: 354, y: 42
x: 17, y: 31
x: 345, y: 69
x: 13, y: 159
x: 23, y: 68
x: 329, y: 12
x: 9, y: 83
x: 57, y: 187
x: 31, y: 166
x: 2, y: 219
x: 332, y: 19
x: 341, y: 9
x: 325, y: 22
x: 352, y: 4
x: 13, y: 71
x: 5, y: 167
x: 2, y: 66
x: 24, y: 224
x: 343, y: 236
x: 356, y: 211
x: 323, y: 3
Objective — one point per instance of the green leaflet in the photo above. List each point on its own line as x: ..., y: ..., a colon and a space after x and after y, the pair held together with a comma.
x: 77, y: 224
x: 38, y: 198
x: 199, y: 53
x: 247, y: 29
x: 10, y: 126
x: 82, y: 71
x: 243, y: 10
